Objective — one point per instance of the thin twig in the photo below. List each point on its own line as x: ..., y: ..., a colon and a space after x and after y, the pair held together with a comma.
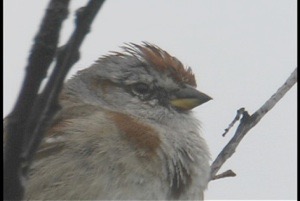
x: 228, y: 173
x: 248, y: 122
x: 236, y: 118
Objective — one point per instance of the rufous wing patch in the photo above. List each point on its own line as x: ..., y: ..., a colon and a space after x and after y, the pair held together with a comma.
x: 139, y: 134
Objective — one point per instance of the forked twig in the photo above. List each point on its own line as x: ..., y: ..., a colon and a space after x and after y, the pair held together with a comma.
x: 248, y: 122
x: 26, y: 124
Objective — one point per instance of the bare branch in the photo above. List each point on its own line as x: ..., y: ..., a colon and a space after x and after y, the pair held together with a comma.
x: 248, y: 122
x: 47, y: 104
x: 269, y: 104
x: 41, y: 56
x: 27, y: 123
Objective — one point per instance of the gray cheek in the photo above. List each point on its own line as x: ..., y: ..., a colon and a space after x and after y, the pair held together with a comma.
x: 153, y: 102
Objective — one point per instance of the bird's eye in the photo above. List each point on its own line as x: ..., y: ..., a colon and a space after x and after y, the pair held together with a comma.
x: 141, y: 88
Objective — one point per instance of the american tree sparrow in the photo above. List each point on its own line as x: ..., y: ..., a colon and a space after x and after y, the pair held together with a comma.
x: 125, y: 131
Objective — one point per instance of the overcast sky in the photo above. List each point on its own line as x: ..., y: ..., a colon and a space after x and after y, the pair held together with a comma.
x: 241, y: 52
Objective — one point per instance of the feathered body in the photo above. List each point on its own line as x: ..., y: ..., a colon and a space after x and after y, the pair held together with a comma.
x: 118, y: 136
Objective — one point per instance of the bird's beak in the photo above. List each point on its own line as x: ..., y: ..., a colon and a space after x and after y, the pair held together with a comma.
x: 188, y: 98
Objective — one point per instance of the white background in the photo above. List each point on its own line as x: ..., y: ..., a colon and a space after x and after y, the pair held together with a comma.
x: 241, y: 51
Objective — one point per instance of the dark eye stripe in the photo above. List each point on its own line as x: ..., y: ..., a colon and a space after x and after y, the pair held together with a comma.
x: 141, y: 88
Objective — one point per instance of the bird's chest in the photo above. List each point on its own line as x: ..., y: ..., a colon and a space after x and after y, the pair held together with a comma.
x: 184, y: 162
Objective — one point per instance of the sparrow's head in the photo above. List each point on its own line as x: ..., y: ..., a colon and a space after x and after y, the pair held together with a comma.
x: 143, y: 80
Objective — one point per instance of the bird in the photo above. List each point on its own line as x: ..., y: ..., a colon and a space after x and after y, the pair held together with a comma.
x: 125, y: 131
